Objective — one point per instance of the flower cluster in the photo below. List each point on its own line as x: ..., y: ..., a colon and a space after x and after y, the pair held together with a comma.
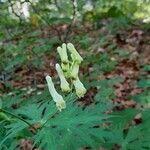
x: 68, y: 70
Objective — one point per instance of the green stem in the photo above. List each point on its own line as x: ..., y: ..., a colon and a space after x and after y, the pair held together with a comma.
x: 49, y: 119
x: 9, y: 113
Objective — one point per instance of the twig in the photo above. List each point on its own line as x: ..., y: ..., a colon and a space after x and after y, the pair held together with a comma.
x: 42, y: 18
x: 72, y: 22
x: 13, y: 11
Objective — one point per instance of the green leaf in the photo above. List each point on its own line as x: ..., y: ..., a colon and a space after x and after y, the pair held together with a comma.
x: 143, y: 98
x: 0, y: 104
x: 144, y: 83
x: 146, y: 68
x: 57, y: 128
x: 121, y: 119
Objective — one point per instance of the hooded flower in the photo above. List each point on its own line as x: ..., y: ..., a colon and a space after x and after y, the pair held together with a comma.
x: 75, y: 55
x: 79, y: 87
x: 65, y: 67
x: 64, y: 57
x: 63, y: 53
x: 60, y: 103
x: 75, y: 70
x: 64, y: 84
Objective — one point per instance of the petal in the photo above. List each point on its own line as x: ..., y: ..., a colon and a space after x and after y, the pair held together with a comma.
x: 75, y: 70
x: 75, y: 55
x: 63, y: 53
x: 60, y: 103
x: 64, y: 84
x: 79, y: 87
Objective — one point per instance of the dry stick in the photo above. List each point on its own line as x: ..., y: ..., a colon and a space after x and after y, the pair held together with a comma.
x: 12, y: 36
x: 42, y: 18
x: 13, y: 11
x: 72, y: 22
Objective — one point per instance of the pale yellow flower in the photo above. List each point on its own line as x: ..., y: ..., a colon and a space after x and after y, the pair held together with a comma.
x: 63, y: 53
x: 74, y: 54
x: 79, y: 87
x: 65, y: 67
x: 63, y: 82
x: 74, y: 71
x: 60, y: 103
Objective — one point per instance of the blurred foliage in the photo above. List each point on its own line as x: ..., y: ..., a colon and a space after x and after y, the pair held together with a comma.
x: 22, y: 21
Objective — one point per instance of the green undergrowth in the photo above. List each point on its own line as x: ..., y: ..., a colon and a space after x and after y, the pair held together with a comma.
x: 36, y: 118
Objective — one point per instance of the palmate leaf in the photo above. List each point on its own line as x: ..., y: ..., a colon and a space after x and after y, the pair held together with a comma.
x: 105, y: 89
x: 73, y: 127
x: 2, y: 129
x: 121, y: 119
x: 104, y: 94
x: 137, y: 139
x: 9, y: 100
x: 144, y: 83
x: 78, y: 137
x: 10, y: 145
x: 143, y: 98
x: 46, y: 138
x: 32, y: 114
x: 137, y: 136
x: 146, y: 68
x: 12, y: 130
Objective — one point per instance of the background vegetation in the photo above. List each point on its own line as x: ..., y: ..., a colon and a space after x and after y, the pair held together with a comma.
x: 113, y: 38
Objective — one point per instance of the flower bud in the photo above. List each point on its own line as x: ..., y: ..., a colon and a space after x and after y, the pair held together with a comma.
x: 65, y: 67
x: 75, y: 55
x: 75, y: 70
x: 60, y: 103
x: 63, y: 82
x: 66, y: 70
x: 79, y: 87
x: 63, y: 53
